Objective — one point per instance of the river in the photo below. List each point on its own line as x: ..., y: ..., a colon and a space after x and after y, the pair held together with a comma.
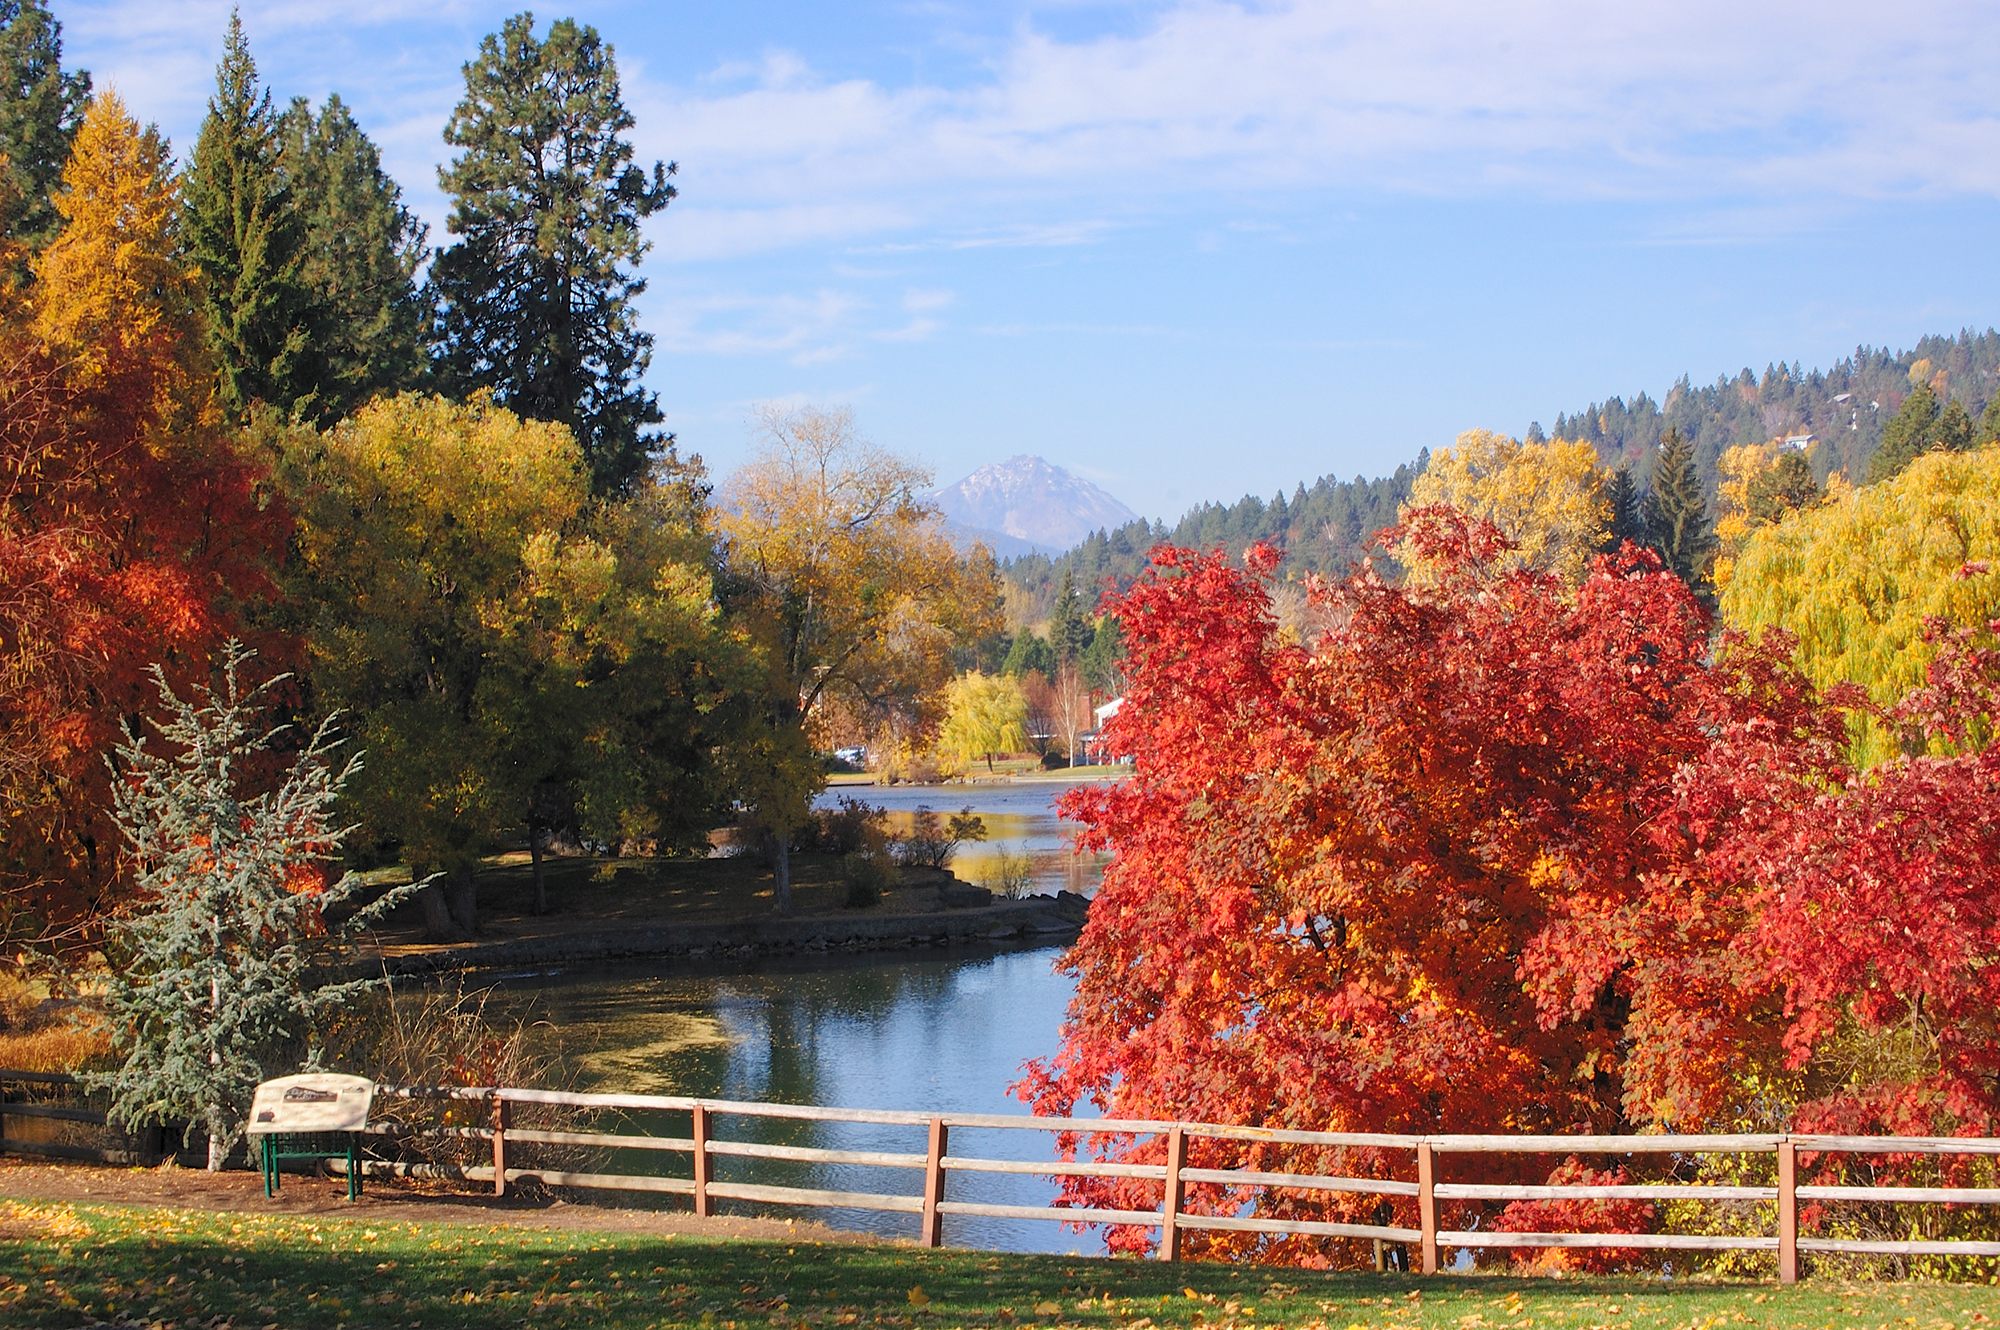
x: 936, y: 1029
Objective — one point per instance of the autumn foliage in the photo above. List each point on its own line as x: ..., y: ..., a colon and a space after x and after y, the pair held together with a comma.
x: 131, y: 531
x: 1493, y: 855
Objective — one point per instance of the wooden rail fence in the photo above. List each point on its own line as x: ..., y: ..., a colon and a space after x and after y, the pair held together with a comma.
x: 43, y: 1087
x: 936, y: 1161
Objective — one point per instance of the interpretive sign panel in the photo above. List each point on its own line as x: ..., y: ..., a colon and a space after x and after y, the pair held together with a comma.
x: 315, y: 1101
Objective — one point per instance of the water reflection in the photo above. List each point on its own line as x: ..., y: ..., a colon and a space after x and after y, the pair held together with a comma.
x: 938, y: 1030
x: 1020, y: 821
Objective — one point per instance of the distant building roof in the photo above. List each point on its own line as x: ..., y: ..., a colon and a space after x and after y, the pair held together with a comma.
x: 1109, y: 709
x: 1799, y: 441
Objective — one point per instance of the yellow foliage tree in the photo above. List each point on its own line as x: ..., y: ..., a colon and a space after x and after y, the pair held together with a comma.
x: 501, y: 642
x: 1757, y: 484
x: 859, y: 594
x: 111, y: 296
x: 1855, y: 578
x: 985, y: 714
x: 1550, y: 498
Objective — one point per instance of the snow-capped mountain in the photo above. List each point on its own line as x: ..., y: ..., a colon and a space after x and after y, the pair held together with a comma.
x: 1026, y: 504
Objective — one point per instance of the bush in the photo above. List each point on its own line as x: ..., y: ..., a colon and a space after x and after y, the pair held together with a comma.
x: 933, y: 840
x: 450, y: 1037
x: 867, y: 876
x: 1012, y: 874
x: 852, y: 826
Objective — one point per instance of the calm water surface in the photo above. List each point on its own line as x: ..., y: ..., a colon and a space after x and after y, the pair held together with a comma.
x: 1020, y: 820
x: 932, y: 1030
x: 935, y: 1030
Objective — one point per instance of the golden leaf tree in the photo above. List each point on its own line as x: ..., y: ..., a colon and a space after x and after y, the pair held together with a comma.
x: 1551, y: 499
x: 501, y: 641
x: 111, y: 295
x: 985, y: 714
x: 857, y: 593
x: 1859, y: 579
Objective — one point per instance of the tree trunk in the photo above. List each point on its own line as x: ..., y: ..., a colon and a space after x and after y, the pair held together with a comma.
x: 437, y: 914
x: 781, y: 867
x: 538, y: 839
x: 463, y: 896
x: 218, y: 1147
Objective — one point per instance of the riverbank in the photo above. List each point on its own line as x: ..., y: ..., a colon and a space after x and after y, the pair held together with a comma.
x: 604, y: 909
x: 102, y: 1265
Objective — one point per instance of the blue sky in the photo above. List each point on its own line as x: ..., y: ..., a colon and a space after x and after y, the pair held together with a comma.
x: 1191, y: 250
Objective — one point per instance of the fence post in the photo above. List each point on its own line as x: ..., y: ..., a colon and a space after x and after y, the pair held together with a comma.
x: 934, y: 1185
x: 500, y: 1116
x: 1788, y: 1213
x: 701, y: 1203
x: 1427, y: 1206
x: 1170, y: 1206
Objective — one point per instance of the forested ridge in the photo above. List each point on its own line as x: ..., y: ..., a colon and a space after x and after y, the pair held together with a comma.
x: 1326, y: 527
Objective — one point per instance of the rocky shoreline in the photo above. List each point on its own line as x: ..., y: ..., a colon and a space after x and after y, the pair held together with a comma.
x: 1053, y: 917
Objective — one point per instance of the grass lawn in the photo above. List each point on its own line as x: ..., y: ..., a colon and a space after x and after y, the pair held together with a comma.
x: 70, y: 1265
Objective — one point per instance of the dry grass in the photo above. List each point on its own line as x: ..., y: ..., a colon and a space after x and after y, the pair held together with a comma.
x: 58, y: 1047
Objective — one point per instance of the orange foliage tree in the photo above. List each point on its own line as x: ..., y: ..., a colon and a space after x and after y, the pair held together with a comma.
x: 1496, y: 856
x: 131, y: 531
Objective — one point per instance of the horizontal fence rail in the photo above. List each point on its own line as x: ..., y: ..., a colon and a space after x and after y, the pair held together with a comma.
x: 45, y: 1086
x: 494, y: 1107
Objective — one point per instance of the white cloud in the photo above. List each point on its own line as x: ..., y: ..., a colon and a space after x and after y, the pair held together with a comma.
x: 1569, y: 98
x: 1767, y: 106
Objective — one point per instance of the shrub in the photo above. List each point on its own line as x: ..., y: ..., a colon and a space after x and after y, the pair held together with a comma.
x: 933, y: 840
x: 1012, y: 873
x: 867, y: 875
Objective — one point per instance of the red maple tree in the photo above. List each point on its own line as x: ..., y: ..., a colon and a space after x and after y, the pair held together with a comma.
x: 1490, y: 856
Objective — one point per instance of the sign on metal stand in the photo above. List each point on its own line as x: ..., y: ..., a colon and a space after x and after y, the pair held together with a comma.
x: 317, y: 1115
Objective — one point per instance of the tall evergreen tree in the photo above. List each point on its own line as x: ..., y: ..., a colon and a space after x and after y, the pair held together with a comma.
x: 1626, y: 521
x: 535, y: 301
x: 220, y: 974
x: 245, y: 236
x: 1069, y: 631
x: 1676, y: 514
x: 361, y: 252
x: 40, y: 109
x: 1921, y: 426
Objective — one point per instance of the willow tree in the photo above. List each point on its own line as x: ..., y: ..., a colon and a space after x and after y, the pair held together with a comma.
x: 856, y: 593
x: 1861, y: 578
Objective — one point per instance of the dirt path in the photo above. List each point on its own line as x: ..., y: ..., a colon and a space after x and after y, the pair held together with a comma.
x: 383, y: 1201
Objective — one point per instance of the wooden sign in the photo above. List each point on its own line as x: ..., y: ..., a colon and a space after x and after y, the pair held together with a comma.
x: 315, y: 1101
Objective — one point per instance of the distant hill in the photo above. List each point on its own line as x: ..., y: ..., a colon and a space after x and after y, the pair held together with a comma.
x: 1843, y: 408
x: 1326, y: 527
x: 1026, y: 505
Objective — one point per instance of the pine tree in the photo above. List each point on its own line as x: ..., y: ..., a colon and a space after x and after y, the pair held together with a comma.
x: 1988, y: 429
x: 1922, y: 426
x: 535, y: 301
x: 1626, y: 521
x: 1675, y: 512
x: 215, y: 974
x: 40, y: 109
x: 245, y: 236
x: 361, y: 252
x: 1069, y: 631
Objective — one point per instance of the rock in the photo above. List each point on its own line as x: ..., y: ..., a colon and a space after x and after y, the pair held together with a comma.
x: 964, y: 896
